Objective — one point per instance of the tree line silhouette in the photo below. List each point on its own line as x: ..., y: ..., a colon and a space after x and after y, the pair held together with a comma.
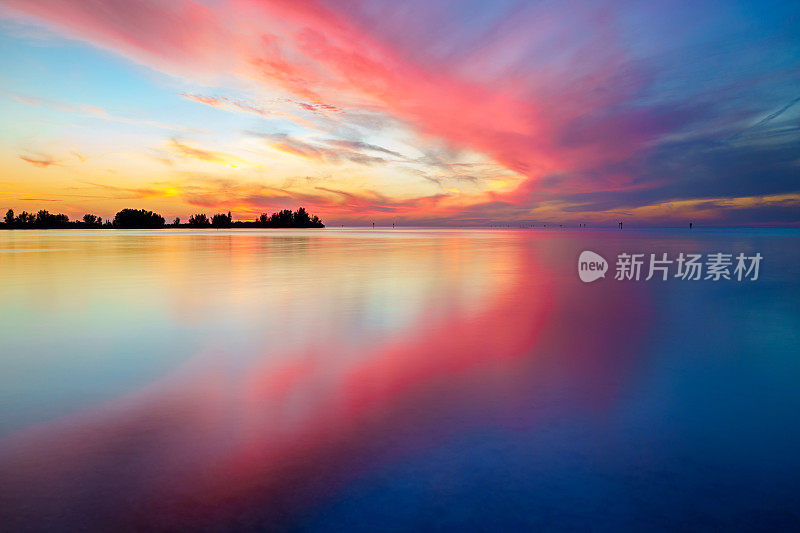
x: 143, y: 219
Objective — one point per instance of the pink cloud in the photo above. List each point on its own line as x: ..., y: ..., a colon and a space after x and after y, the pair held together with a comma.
x: 169, y: 35
x: 332, y: 59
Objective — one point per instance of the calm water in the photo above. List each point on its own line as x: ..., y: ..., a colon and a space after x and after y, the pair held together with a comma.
x: 399, y: 380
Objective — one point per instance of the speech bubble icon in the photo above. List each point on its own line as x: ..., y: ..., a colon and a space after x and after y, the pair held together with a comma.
x: 591, y: 266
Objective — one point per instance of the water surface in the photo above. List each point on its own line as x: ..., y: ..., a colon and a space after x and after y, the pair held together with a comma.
x: 394, y: 380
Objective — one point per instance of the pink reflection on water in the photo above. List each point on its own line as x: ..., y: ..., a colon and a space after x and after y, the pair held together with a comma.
x: 207, y: 444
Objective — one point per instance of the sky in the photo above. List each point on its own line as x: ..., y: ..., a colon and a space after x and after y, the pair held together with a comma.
x: 433, y: 112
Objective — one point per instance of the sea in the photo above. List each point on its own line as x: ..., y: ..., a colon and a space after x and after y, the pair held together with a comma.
x: 407, y: 379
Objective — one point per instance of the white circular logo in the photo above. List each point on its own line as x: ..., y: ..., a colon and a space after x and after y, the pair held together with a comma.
x: 591, y: 266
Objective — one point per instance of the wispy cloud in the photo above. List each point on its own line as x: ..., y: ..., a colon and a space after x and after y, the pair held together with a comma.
x: 38, y: 200
x: 276, y: 108
x: 41, y: 161
x: 329, y: 150
x: 99, y: 113
x: 137, y: 192
x: 187, y: 150
x: 770, y: 117
x: 363, y: 146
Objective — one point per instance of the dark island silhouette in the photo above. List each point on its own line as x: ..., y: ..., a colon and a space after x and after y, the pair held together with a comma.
x: 144, y: 219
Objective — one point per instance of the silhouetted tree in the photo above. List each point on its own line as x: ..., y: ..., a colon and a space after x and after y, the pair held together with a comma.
x: 282, y: 219
x: 45, y: 219
x: 301, y: 218
x: 199, y: 220
x: 141, y: 218
x: 287, y: 219
x: 138, y: 218
x: 42, y: 220
x: 23, y: 220
x: 221, y: 220
x: 92, y: 220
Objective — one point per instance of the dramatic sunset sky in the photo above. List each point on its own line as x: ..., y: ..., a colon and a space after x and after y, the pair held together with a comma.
x: 416, y: 112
